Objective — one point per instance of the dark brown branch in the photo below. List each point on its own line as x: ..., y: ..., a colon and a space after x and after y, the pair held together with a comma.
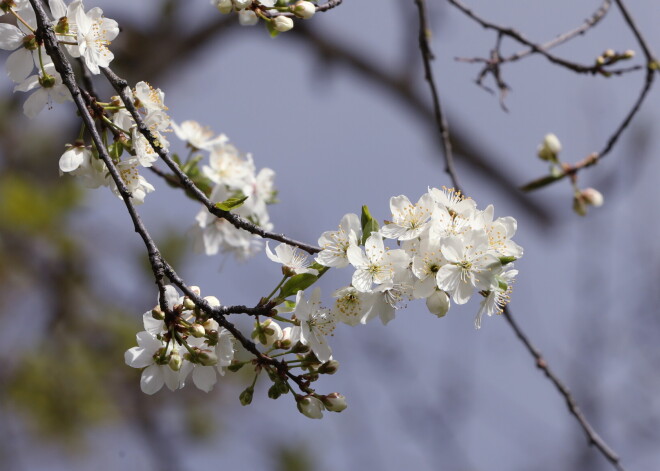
x: 535, y: 48
x: 121, y: 86
x: 440, y: 118
x: 592, y: 436
x: 562, y: 38
x: 158, y: 264
x: 651, y: 66
x: 332, y: 51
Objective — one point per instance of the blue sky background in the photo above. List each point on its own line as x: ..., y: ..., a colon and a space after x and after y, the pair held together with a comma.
x: 424, y: 393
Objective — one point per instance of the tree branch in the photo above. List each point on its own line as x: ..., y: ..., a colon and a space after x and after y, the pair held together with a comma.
x: 440, y: 119
x: 592, y: 436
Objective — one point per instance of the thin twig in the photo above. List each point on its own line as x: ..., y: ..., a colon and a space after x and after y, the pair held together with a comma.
x: 562, y: 38
x: 440, y: 119
x: 535, y: 48
x: 592, y: 436
x: 651, y: 67
x: 158, y: 264
x: 121, y: 86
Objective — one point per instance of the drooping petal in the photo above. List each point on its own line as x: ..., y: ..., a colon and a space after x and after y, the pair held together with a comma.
x: 152, y: 380
x: 204, y: 377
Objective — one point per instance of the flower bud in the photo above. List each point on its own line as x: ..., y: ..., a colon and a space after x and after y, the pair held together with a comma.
x: 246, y: 396
x: 188, y: 304
x: 157, y: 314
x: 304, y: 9
x: 334, y: 402
x: 629, y: 54
x: 207, y: 358
x: 212, y: 300
x: 609, y: 53
x: 592, y: 197
x: 274, y: 392
x: 300, y: 348
x: 175, y: 361
x: 311, y: 407
x: 241, y: 4
x: 438, y: 303
x: 282, y: 23
x: 549, y: 148
x: 247, y: 18
x: 197, y: 331
x: 330, y: 367
x: 267, y: 332
x: 224, y: 6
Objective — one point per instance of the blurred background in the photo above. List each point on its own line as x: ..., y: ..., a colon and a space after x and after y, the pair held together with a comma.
x: 338, y: 108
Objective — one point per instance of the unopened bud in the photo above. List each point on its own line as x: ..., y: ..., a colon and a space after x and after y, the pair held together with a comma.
x: 212, y: 300
x: 207, y: 358
x: 274, y: 392
x: 330, y: 367
x: 247, y: 18
x: 246, y: 396
x: 592, y: 197
x: 241, y: 4
x: 197, y: 331
x: 438, y: 303
x: 282, y: 24
x: 311, y: 407
x: 304, y: 10
x: 188, y: 304
x: 549, y: 148
x: 334, y: 402
x: 175, y: 361
x: 300, y: 348
x: 629, y: 54
x: 609, y: 53
x: 224, y: 6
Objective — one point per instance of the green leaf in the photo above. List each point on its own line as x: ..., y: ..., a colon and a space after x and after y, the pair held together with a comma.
x: 231, y: 203
x: 541, y: 182
x: 369, y: 224
x: 297, y: 283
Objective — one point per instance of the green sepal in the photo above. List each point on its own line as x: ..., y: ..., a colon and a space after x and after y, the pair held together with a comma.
x: 115, y: 150
x: 231, y: 203
x: 541, y: 182
x: 509, y: 259
x: 175, y: 158
x: 271, y: 30
x: 502, y: 285
x: 369, y: 224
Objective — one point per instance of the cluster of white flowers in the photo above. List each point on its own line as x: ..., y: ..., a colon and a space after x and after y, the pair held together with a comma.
x: 274, y: 13
x: 449, y: 250
x: 85, y: 34
x: 169, y: 349
x: 233, y: 175
x: 81, y: 161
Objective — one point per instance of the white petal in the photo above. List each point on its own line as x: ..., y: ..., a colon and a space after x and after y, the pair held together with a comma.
x: 10, y: 37
x: 152, y: 380
x: 204, y: 377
